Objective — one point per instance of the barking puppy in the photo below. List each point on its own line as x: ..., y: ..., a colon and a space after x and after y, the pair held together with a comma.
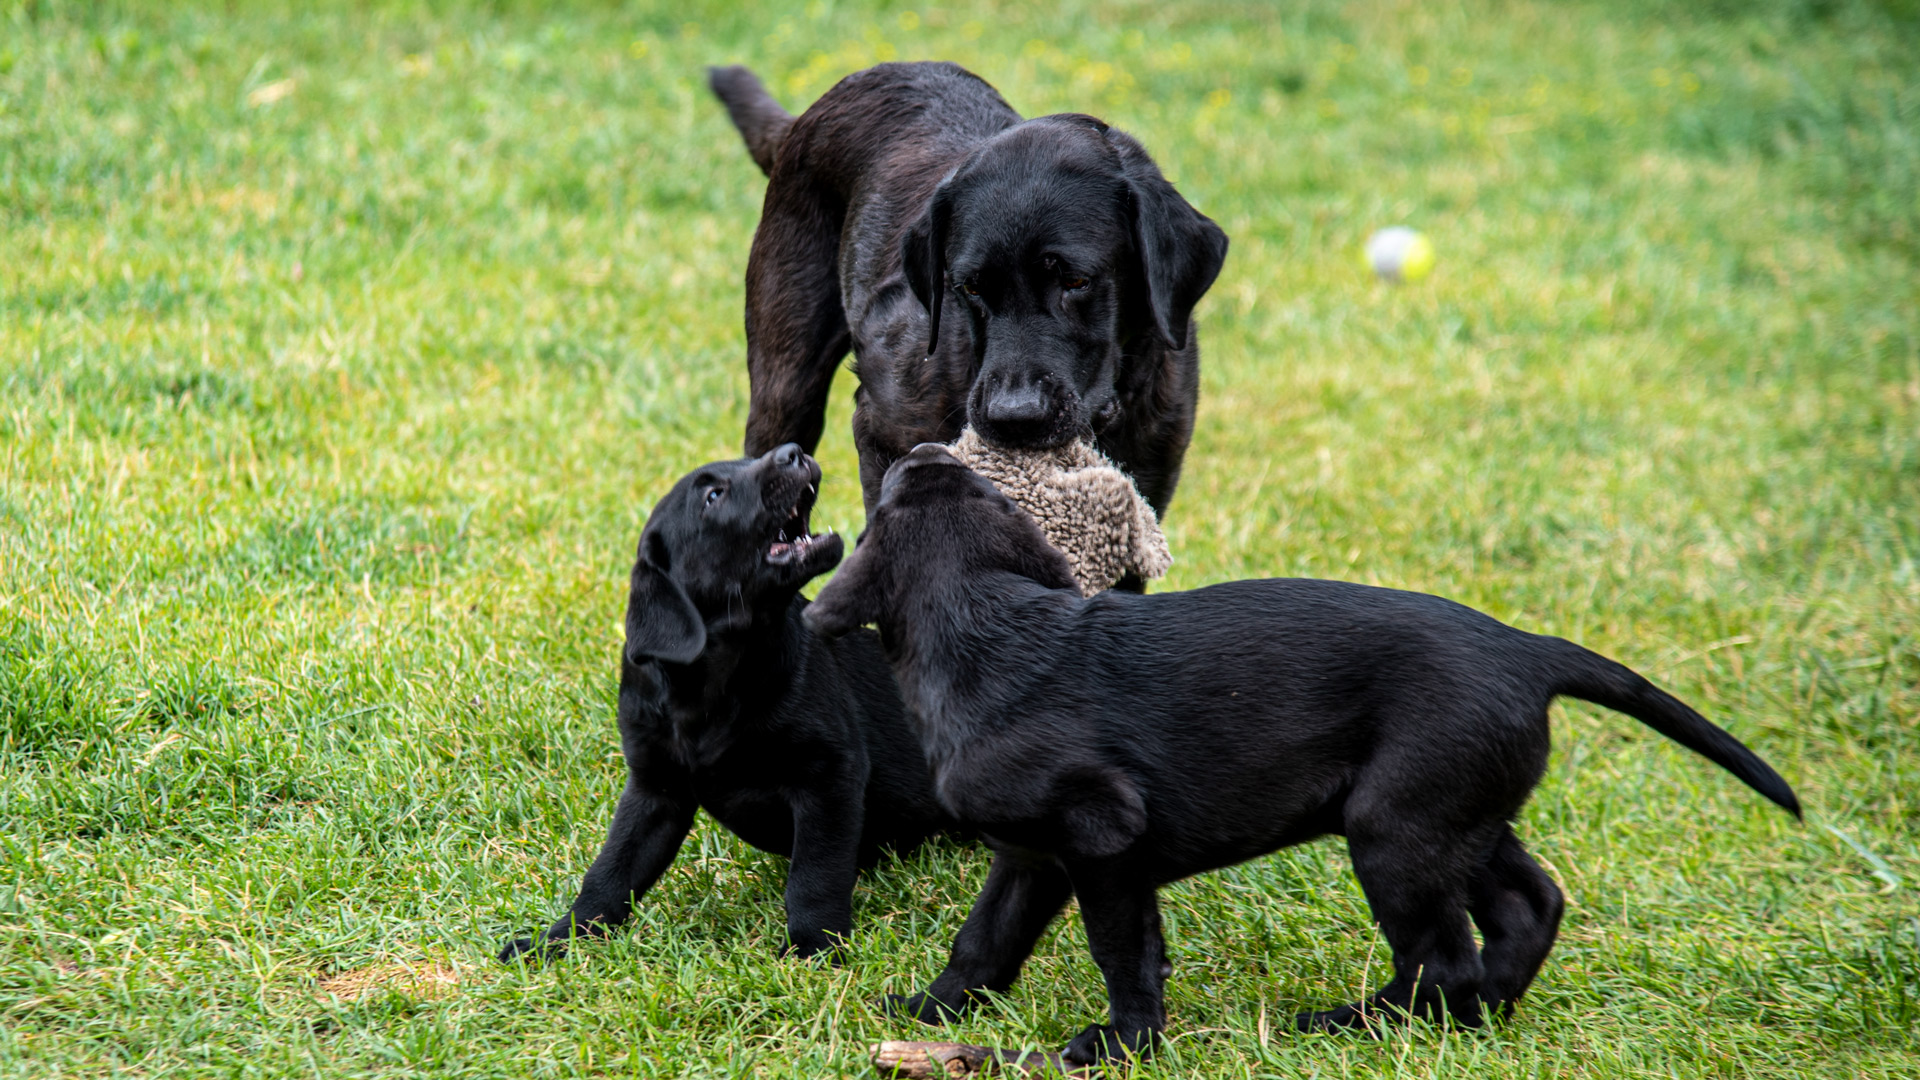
x: 797, y: 744
x: 1033, y: 278
x: 1109, y: 745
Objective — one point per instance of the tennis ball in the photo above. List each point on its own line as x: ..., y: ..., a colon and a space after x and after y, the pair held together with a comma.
x: 1400, y: 254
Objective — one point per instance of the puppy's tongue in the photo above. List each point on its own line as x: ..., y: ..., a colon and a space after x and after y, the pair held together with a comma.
x: 782, y: 551
x: 792, y: 542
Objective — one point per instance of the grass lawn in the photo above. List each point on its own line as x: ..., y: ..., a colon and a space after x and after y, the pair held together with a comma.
x: 343, y: 350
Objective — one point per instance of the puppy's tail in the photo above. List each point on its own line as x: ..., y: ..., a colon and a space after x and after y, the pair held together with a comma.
x: 1589, y: 676
x: 761, y: 120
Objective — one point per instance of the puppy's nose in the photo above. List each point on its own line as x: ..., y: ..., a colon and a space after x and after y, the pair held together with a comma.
x: 1017, y: 405
x: 786, y: 457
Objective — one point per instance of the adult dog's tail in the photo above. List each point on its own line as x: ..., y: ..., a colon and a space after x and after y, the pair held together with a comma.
x: 1589, y: 676
x: 761, y: 120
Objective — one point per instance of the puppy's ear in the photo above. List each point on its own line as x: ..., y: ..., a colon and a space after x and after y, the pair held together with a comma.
x: 1030, y: 554
x: 662, y: 623
x: 851, y: 600
x: 923, y: 256
x: 1181, y: 250
x: 1046, y: 564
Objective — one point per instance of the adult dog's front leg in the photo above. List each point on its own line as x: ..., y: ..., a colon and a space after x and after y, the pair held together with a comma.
x: 820, y: 879
x: 648, y: 827
x: 1123, y: 931
x: 1024, y: 891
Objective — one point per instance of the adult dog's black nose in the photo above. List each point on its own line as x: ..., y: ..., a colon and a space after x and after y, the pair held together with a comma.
x: 1018, y: 405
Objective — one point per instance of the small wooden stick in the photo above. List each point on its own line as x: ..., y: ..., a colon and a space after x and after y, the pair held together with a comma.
x: 938, y: 1060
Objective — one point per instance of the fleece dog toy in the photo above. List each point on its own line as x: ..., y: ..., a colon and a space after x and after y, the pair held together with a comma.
x: 1085, y: 505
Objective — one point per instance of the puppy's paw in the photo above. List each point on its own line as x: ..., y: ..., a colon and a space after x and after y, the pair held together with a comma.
x: 827, y: 944
x: 1350, y: 1019
x: 1375, y: 1016
x: 922, y: 1007
x: 1372, y: 1017
x: 529, y: 951
x: 1103, y: 1042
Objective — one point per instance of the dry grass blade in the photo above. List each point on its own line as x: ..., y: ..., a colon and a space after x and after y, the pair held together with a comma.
x: 422, y: 981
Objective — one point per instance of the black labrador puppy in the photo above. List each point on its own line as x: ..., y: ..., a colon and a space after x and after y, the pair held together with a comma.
x: 911, y: 193
x: 797, y: 744
x: 1107, y: 746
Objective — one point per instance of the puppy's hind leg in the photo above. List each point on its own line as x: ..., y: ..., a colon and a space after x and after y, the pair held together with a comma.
x: 1517, y: 907
x: 1024, y: 891
x: 796, y: 325
x: 1416, y: 878
x: 826, y: 860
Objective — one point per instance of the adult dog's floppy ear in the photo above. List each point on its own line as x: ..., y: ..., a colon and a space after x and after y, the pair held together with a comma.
x: 923, y: 256
x: 851, y: 600
x: 1181, y: 249
x: 662, y: 623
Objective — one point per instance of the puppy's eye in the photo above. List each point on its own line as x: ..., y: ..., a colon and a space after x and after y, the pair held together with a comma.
x: 713, y: 495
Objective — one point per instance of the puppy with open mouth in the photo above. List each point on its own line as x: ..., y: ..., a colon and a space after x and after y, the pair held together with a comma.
x: 1107, y: 745
x: 797, y: 744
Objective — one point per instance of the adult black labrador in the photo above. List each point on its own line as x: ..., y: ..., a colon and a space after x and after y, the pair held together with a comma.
x: 912, y: 192
x: 1109, y: 745
x: 797, y: 744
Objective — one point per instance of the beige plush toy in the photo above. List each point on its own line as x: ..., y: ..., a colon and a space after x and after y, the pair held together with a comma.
x: 1088, y: 508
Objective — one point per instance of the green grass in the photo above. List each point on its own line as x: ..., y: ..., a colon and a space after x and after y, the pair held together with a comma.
x: 341, y: 354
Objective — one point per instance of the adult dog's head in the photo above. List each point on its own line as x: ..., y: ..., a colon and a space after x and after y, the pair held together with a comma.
x: 939, y: 526
x: 1070, y: 255
x: 729, y: 546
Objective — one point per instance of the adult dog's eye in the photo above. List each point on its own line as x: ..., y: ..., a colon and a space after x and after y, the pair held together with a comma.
x: 1069, y: 281
x: 970, y: 286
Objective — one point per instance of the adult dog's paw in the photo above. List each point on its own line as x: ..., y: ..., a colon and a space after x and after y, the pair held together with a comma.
x: 529, y: 951
x: 1103, y: 1042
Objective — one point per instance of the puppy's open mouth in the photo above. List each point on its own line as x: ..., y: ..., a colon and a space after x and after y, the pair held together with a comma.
x: 795, y: 537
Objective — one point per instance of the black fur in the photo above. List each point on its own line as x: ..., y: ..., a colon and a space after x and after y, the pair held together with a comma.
x: 912, y: 193
x: 1109, y: 745
x: 797, y: 744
